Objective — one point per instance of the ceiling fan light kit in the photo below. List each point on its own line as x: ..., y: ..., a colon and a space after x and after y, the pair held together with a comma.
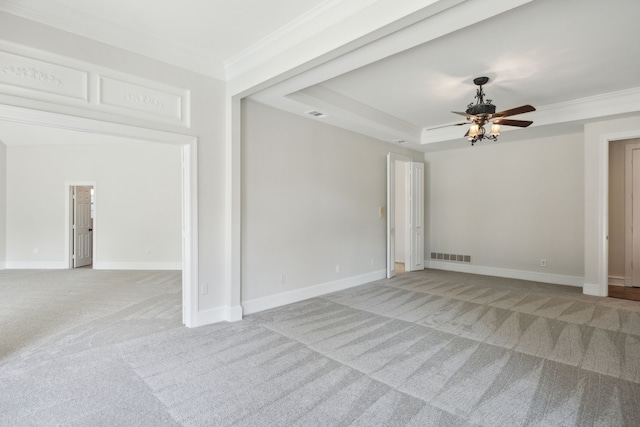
x: 483, y: 112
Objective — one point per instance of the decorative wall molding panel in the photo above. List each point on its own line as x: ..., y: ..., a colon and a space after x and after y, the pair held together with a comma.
x: 24, y: 76
x: 153, y: 100
x: 42, y: 76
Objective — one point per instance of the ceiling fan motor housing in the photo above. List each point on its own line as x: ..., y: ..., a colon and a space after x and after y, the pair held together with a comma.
x: 478, y: 109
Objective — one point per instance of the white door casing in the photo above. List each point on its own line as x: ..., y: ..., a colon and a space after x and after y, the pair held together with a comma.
x: 190, y: 313
x: 391, y: 216
x: 415, y: 227
x: 81, y: 226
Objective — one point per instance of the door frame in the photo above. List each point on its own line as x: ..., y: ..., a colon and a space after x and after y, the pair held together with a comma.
x: 391, y: 211
x: 68, y: 248
x: 189, y: 144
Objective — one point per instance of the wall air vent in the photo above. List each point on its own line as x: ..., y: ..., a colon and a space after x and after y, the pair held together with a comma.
x: 316, y: 114
x: 450, y: 257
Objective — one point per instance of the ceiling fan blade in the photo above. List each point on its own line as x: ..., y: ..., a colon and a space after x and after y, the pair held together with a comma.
x: 510, y: 122
x: 512, y: 112
x: 461, y: 113
x: 450, y: 124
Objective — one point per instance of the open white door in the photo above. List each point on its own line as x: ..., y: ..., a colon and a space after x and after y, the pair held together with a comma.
x: 414, y: 208
x: 391, y: 216
x: 415, y: 255
x: 81, y: 226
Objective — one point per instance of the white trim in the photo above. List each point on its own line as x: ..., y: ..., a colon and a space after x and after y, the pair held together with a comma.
x: 212, y: 315
x: 3, y: 265
x: 233, y: 203
x: 218, y: 314
x: 47, y: 265
x: 375, y: 29
x: 81, y: 124
x: 189, y: 184
x: 601, y: 241
x: 603, y: 215
x: 594, y: 289
x: 233, y: 314
x: 190, y: 277
x: 391, y: 210
x: 533, y: 276
x: 149, y: 265
x: 326, y: 14
x: 259, y: 304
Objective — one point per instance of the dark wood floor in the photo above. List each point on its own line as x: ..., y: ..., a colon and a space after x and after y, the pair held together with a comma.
x: 624, y: 292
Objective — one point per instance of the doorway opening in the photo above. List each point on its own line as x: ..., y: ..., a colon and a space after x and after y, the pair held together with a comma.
x: 188, y: 144
x: 405, y: 214
x: 624, y: 217
x: 81, y: 214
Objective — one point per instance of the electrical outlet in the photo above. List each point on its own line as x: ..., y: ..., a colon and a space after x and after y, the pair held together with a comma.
x: 337, y: 268
x: 373, y: 260
x: 204, y: 288
x: 543, y: 263
x: 283, y: 279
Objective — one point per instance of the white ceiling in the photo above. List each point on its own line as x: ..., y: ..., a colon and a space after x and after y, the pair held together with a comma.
x: 542, y: 53
x: 199, y: 34
x: 574, y: 60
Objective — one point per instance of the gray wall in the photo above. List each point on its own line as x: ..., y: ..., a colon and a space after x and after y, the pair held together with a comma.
x: 310, y: 200
x: 511, y: 204
x: 138, y: 200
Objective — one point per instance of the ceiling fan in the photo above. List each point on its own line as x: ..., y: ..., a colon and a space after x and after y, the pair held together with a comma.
x: 483, y: 112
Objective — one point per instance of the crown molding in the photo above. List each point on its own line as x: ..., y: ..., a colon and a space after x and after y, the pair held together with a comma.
x: 55, y: 15
x: 326, y: 14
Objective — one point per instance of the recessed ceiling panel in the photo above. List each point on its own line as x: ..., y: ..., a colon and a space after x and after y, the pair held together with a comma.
x: 542, y: 53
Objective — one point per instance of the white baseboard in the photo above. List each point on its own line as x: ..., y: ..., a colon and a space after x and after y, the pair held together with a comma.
x: 51, y: 265
x: 218, y: 314
x: 233, y: 314
x: 212, y: 315
x: 3, y: 265
x: 137, y: 265
x: 534, y: 276
x: 259, y: 304
x: 595, y: 290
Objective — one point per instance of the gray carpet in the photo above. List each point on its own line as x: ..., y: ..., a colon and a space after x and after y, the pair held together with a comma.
x: 423, y: 349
